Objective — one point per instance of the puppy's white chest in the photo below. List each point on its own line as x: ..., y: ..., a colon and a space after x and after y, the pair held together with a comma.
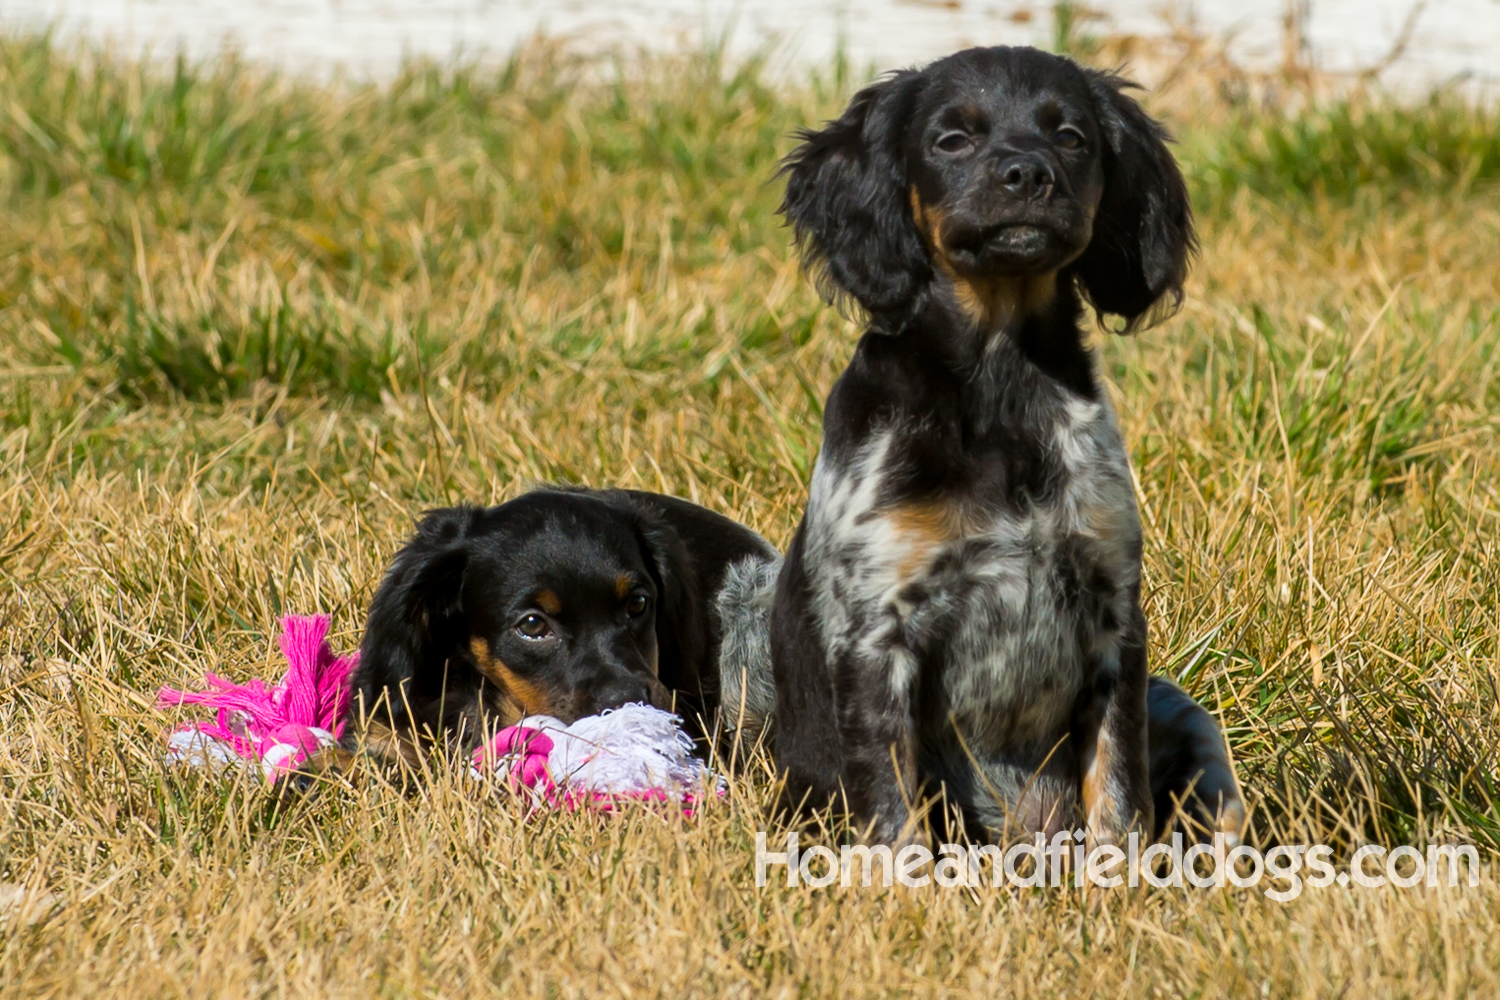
x: 890, y: 545
x: 1015, y: 594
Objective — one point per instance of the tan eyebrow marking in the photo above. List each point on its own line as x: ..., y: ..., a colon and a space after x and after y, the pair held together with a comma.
x: 623, y: 583
x: 548, y: 602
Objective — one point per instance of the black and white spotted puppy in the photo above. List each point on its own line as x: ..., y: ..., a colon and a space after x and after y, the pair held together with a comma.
x: 960, y: 608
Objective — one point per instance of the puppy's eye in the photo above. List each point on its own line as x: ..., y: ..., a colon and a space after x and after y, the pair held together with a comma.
x: 954, y: 142
x: 533, y: 626
x: 636, y: 606
x: 1069, y: 137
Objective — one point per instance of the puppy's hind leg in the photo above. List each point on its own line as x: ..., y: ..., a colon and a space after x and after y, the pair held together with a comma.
x: 1192, y: 776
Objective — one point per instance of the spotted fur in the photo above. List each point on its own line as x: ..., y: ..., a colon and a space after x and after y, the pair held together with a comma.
x: 959, y: 611
x: 742, y: 608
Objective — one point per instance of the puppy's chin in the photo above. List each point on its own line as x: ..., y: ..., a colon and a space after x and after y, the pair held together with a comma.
x: 1013, y: 250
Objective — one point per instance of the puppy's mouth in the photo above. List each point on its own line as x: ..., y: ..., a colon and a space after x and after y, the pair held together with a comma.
x: 1018, y: 244
x: 1014, y: 248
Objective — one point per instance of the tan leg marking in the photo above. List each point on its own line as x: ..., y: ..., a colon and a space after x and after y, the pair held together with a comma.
x: 1105, y: 798
x: 381, y: 741
x: 333, y: 760
x: 1098, y: 761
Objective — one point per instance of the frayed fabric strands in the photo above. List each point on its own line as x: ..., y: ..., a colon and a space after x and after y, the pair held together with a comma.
x: 273, y: 728
x: 635, y: 753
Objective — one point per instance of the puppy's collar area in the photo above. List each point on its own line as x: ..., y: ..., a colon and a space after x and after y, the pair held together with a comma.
x: 998, y: 305
x: 1046, y: 336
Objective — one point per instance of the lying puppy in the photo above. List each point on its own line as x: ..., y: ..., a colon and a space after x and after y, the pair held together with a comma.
x: 562, y: 602
x: 960, y: 608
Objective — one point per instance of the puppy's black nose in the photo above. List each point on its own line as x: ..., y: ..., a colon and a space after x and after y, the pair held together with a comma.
x: 621, y: 691
x: 1027, y: 176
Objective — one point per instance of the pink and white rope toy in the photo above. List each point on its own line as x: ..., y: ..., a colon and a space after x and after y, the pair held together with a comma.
x: 633, y: 753
x: 276, y: 728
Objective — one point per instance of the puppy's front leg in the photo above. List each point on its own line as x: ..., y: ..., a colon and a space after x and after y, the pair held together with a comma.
x: 878, y: 732
x: 1114, y: 750
x: 843, y: 725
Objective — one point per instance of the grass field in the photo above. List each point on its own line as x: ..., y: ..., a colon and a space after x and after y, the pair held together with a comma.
x: 250, y: 328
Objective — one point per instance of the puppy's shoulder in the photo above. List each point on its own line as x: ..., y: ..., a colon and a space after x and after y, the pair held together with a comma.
x: 889, y: 380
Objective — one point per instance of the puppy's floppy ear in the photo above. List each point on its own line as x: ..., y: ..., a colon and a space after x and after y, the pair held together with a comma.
x: 1137, y: 260
x: 679, y: 611
x: 416, y: 618
x: 847, y: 199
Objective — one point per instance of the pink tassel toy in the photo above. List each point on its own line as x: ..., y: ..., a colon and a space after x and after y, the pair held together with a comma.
x: 275, y: 728
x: 636, y: 753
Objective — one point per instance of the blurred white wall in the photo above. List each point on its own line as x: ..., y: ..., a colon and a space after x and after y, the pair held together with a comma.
x: 369, y: 38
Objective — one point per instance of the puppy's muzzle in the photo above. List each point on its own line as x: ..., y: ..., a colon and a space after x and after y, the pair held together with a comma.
x: 620, y: 691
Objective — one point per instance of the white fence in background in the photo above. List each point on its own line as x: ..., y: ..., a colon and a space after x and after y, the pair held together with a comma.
x: 369, y: 38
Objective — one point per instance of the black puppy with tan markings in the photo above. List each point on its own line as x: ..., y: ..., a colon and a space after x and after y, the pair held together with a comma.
x: 562, y: 602
x: 960, y: 608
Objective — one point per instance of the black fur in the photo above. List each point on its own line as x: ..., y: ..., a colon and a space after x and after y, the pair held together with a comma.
x: 847, y: 189
x: 846, y: 198
x: 970, y: 209
x: 445, y: 658
x: 1143, y: 234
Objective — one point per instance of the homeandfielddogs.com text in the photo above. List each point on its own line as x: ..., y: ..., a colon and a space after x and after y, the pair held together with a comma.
x: 1065, y: 861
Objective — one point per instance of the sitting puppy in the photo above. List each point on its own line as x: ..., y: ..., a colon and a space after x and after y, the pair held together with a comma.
x: 562, y: 602
x: 960, y: 608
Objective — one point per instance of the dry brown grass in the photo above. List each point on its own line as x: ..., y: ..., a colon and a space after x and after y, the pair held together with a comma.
x: 248, y: 330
